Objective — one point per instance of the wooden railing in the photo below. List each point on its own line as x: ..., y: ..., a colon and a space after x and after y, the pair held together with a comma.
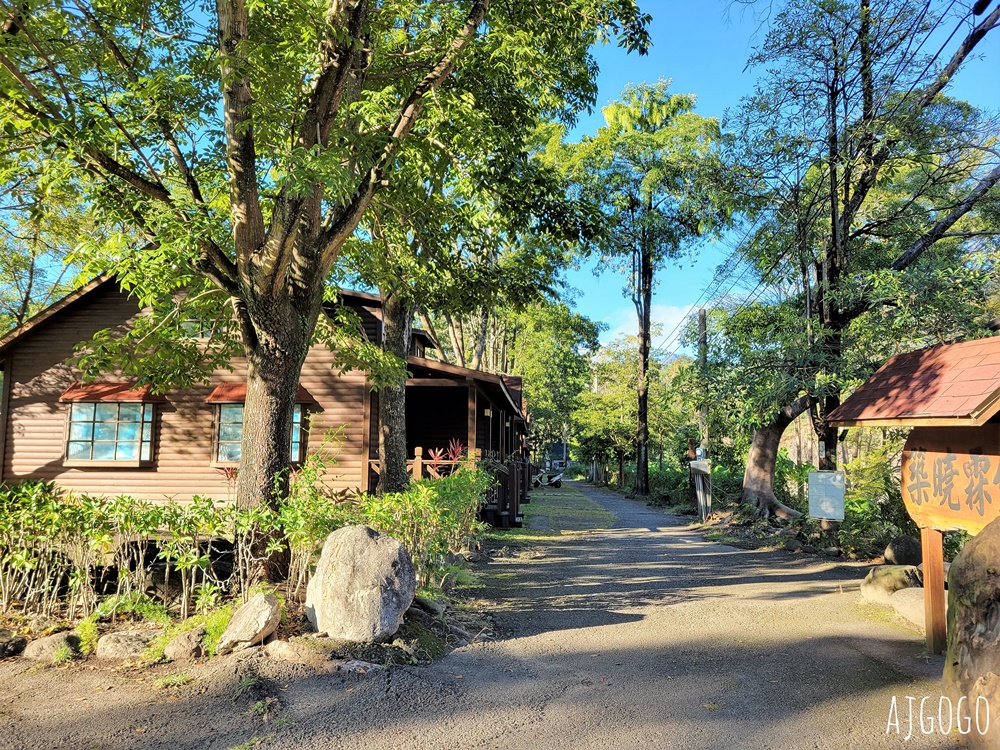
x: 502, y: 508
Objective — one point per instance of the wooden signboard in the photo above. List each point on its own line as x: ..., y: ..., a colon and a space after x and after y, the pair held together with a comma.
x: 950, y: 482
x: 951, y: 477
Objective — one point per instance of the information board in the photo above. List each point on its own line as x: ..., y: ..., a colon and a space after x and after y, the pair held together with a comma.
x: 826, y: 495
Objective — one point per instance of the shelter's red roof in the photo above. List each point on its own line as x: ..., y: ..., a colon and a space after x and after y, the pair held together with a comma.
x: 236, y: 393
x: 108, y: 392
x: 948, y: 382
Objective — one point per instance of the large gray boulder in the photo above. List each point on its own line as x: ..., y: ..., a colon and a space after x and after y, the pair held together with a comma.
x: 128, y: 644
x: 883, y: 581
x: 11, y: 644
x: 904, y: 550
x: 364, y: 582
x: 252, y: 624
x: 972, y: 663
x: 46, y: 649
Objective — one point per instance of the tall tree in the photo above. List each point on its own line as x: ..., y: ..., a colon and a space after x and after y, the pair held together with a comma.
x: 242, y: 143
x: 654, y: 170
x: 871, y: 167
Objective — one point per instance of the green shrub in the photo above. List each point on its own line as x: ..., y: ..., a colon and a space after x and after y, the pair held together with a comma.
x: 86, y: 629
x: 873, y: 509
x: 432, y: 518
x: 51, y: 542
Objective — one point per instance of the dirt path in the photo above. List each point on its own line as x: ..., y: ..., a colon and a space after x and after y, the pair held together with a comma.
x: 637, y: 636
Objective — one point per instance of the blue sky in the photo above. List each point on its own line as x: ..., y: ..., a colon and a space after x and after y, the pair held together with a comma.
x: 703, y: 47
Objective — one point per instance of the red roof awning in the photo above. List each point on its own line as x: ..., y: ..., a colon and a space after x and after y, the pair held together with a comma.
x: 952, y: 383
x: 109, y: 392
x: 236, y: 393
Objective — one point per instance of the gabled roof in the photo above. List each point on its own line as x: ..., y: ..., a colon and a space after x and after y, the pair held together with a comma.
x: 52, y: 310
x: 948, y: 385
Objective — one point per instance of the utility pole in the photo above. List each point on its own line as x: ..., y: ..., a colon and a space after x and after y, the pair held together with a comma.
x: 703, y: 367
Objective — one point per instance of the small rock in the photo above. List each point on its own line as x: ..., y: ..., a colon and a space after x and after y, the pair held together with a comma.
x: 793, y: 545
x: 910, y: 604
x: 186, y: 646
x: 11, y: 644
x: 883, y: 581
x: 252, y: 624
x: 832, y: 551
x: 44, y: 649
x: 128, y: 644
x: 358, y: 667
x: 307, y: 651
x: 904, y: 550
x: 810, y: 549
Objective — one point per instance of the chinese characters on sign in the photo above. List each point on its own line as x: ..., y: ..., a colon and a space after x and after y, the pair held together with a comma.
x: 951, y: 490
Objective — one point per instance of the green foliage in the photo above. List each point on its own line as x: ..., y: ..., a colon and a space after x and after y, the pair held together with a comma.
x: 63, y: 655
x: 136, y: 604
x: 874, y: 513
x: 48, y: 538
x: 87, y: 631
x: 430, y: 518
x: 175, y: 680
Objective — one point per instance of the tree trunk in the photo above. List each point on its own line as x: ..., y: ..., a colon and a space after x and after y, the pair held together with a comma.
x: 397, y: 318
x: 482, y: 330
x: 758, y: 479
x: 645, y: 296
x: 274, y: 363
x: 457, y: 344
x: 621, y: 470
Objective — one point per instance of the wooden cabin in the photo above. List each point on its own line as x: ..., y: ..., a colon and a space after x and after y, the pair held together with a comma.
x: 112, y: 438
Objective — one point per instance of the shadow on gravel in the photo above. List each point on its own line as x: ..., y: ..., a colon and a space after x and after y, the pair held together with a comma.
x: 671, y: 686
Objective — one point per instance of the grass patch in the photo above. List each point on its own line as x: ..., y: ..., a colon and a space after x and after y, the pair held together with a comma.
x: 215, y: 623
x: 557, y: 511
x: 138, y: 606
x: 63, y: 655
x: 178, y: 679
x: 252, y: 743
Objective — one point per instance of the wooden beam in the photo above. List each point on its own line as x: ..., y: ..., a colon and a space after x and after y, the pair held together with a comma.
x: 472, y: 417
x: 911, y: 422
x: 435, y: 382
x: 932, y: 542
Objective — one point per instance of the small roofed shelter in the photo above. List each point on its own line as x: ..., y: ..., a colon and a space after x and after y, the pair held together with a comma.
x: 949, y: 397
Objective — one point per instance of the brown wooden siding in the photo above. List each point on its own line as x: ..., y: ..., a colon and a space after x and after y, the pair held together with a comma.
x: 36, y: 423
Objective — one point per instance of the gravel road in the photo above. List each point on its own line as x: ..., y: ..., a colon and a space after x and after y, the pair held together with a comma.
x: 637, y: 636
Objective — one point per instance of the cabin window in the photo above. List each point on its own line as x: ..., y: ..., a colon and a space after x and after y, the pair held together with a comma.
x: 110, y: 432
x: 229, y: 433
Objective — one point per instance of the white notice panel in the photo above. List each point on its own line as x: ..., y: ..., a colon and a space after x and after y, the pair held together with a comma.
x: 826, y: 495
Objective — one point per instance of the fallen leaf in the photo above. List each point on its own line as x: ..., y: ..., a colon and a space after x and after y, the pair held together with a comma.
x: 459, y: 677
x: 140, y: 730
x: 349, y: 690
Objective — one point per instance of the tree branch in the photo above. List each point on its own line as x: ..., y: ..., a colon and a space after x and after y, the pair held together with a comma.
x: 938, y: 230
x: 241, y: 154
x: 344, y: 225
